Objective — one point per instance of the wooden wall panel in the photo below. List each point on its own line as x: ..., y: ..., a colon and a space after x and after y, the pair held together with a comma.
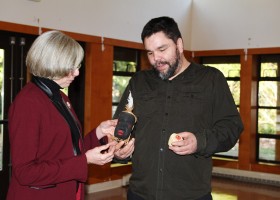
x: 245, y: 141
x: 98, y: 98
x: 227, y: 163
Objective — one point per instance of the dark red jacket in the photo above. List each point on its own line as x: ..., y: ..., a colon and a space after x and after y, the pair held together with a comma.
x: 43, y: 163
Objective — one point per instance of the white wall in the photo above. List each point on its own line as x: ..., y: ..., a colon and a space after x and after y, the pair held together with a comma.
x: 205, y: 24
x: 118, y: 19
x: 234, y: 24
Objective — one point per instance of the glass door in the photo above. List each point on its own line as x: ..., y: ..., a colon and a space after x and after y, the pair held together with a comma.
x: 13, y: 49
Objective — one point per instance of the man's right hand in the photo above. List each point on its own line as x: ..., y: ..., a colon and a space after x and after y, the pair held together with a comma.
x: 123, y: 151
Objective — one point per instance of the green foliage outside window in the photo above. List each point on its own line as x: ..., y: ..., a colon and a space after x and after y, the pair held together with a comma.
x: 124, y: 66
x: 122, y: 72
x: 268, y: 96
x: 119, y: 85
x: 231, y: 70
x: 268, y: 113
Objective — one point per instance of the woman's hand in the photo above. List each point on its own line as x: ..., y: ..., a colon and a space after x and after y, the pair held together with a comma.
x: 102, y: 154
x: 106, y: 128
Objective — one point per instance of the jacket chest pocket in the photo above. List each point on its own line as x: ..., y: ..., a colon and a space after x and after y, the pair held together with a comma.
x: 191, y: 100
x: 145, y: 105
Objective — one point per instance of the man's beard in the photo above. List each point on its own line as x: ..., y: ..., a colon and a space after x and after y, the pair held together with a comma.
x: 172, y: 67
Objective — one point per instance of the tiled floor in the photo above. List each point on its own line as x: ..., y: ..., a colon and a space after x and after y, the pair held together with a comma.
x: 223, y: 189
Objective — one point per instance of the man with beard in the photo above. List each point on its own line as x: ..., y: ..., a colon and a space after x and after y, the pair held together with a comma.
x: 176, y: 96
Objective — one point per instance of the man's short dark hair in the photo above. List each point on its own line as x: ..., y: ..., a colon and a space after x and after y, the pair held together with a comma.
x: 165, y: 24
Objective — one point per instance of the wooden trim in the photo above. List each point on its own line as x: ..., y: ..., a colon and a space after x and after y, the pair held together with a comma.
x: 19, y: 28
x: 228, y: 52
x: 218, y: 162
x: 267, y: 168
x: 119, y: 172
x: 258, y: 51
x: 122, y: 43
x: 79, y: 36
x: 33, y: 30
x: 248, y: 91
x: 188, y: 54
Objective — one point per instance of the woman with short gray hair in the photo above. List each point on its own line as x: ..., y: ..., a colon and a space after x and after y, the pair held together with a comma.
x: 48, y: 151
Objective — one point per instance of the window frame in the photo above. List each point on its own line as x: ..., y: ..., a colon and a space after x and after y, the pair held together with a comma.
x: 259, y: 136
x: 126, y: 58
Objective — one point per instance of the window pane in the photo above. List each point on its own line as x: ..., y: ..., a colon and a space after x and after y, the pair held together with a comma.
x: 231, y: 70
x: 119, y: 85
x: 234, y: 87
x: 123, y: 66
x: 232, y: 153
x: 228, y: 69
x: 267, y: 149
x: 114, y: 108
x: 269, y: 93
x: 269, y: 121
x: 269, y: 70
x: 125, y: 54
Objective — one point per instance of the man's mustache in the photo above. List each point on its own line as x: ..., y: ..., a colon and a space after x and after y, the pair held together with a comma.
x: 161, y: 63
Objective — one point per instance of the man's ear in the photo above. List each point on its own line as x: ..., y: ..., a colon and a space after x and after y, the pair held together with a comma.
x: 180, y: 45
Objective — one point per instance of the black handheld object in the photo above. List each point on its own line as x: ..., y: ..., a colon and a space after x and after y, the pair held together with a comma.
x: 125, y: 125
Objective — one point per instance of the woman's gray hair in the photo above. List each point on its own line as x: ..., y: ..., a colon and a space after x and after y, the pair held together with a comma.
x: 54, y: 55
